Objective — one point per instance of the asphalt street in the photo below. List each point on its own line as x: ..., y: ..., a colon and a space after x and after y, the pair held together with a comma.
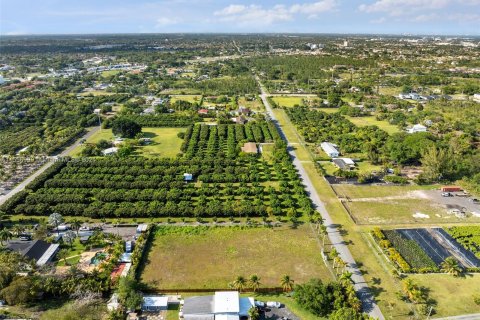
x: 361, y: 287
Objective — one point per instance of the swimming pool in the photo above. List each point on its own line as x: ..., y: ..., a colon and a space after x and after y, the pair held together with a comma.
x: 98, y: 258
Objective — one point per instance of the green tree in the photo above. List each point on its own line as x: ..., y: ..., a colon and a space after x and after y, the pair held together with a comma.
x: 286, y: 282
x: 55, y: 219
x: 451, y: 266
x: 254, y: 282
x: 253, y: 313
x: 126, y: 128
x: 239, y: 283
x: 76, y: 224
x: 5, y: 235
x: 434, y: 161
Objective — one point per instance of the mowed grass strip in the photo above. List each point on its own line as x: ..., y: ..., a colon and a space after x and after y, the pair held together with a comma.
x: 212, y: 257
x: 289, y: 101
x: 371, y: 121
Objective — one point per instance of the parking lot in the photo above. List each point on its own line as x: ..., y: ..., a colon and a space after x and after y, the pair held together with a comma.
x: 454, y: 201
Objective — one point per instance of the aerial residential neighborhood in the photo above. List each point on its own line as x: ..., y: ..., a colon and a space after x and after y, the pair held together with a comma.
x: 205, y: 160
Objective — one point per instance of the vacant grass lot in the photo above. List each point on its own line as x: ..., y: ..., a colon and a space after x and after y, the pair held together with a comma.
x: 187, y: 97
x: 201, y: 257
x: 453, y: 295
x: 288, y: 101
x: 165, y: 142
x: 367, y: 191
x: 371, y: 121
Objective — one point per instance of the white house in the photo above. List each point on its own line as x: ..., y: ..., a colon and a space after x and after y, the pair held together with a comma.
x: 224, y: 305
x: 110, y: 151
x: 330, y: 149
x: 476, y: 97
x: 417, y: 128
x: 154, y: 303
x: 187, y: 177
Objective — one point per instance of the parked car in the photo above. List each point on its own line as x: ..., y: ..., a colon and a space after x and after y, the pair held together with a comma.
x: 84, y: 228
x: 447, y: 194
x: 25, y: 237
x: 273, y: 304
x: 259, y: 304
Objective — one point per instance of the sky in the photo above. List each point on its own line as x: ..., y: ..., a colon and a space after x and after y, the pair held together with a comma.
x: 449, y: 17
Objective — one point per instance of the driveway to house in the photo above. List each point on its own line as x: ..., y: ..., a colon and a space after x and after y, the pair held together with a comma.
x: 47, y: 165
x: 361, y: 287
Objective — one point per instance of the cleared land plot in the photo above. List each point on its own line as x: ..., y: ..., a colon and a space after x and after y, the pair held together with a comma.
x: 399, y: 204
x: 192, y: 98
x: 454, y: 296
x: 371, y: 121
x: 289, y: 101
x: 255, y: 105
x: 165, y: 142
x: 96, y: 93
x: 213, y: 257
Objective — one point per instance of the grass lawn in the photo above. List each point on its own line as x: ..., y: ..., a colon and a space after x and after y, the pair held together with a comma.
x: 96, y: 93
x: 453, y: 295
x: 327, y: 110
x: 368, y: 191
x: 73, y: 252
x: 211, y: 258
x: 291, y: 133
x: 110, y: 73
x: 390, y: 91
x: 187, y: 97
x: 371, y: 121
x: 255, y: 105
x: 165, y: 143
x: 288, y: 101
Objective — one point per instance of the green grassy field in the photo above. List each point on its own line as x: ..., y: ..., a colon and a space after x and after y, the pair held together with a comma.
x: 288, y: 101
x: 371, y: 121
x: 187, y: 97
x: 368, y: 191
x: 96, y: 93
x: 255, y: 105
x: 110, y: 73
x: 165, y: 142
x: 453, y: 295
x: 212, y: 258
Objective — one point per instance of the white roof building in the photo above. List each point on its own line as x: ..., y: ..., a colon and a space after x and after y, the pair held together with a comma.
x: 330, y: 149
x: 224, y: 305
x: 154, y: 303
x: 110, y: 151
x: 417, y: 128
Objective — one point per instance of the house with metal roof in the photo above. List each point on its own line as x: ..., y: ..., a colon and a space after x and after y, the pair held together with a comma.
x: 40, y: 251
x: 330, y: 149
x: 224, y: 305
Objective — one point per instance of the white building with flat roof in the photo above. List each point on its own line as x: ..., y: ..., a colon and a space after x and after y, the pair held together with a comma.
x: 330, y: 149
x: 417, y: 128
x: 224, y: 305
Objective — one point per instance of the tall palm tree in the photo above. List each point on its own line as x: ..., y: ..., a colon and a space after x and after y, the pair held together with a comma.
x: 55, y: 219
x: 324, y: 233
x: 76, y: 224
x: 239, y: 283
x: 451, y: 266
x: 5, y: 235
x: 286, y: 282
x: 254, y: 282
x: 346, y: 278
x: 253, y: 313
x: 18, y: 229
x: 62, y: 255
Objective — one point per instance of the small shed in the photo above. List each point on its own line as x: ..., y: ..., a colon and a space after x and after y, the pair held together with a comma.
x: 154, y: 303
x: 187, y: 177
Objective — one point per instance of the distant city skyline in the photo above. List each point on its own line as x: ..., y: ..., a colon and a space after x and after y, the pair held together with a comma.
x: 436, y: 17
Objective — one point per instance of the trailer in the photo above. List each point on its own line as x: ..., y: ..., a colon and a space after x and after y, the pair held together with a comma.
x: 451, y: 189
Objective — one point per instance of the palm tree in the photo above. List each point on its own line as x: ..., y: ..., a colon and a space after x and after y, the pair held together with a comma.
x: 253, y: 313
x: 333, y: 253
x: 55, y: 219
x: 412, y: 291
x: 254, y: 282
x: 5, y: 235
x: 346, y: 278
x: 451, y: 266
x: 239, y: 283
x: 286, y: 282
x: 324, y: 233
x: 18, y: 229
x: 76, y: 224
x: 62, y: 255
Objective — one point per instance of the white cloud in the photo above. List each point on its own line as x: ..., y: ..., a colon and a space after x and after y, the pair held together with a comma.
x: 165, y: 21
x: 258, y: 15
x: 253, y: 14
x: 422, y: 8
x: 426, y: 17
x: 379, y: 20
x: 314, y: 8
x: 464, y: 17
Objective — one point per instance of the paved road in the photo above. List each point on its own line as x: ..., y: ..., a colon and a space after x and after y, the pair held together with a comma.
x: 368, y: 302
x: 474, y: 316
x: 47, y: 165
